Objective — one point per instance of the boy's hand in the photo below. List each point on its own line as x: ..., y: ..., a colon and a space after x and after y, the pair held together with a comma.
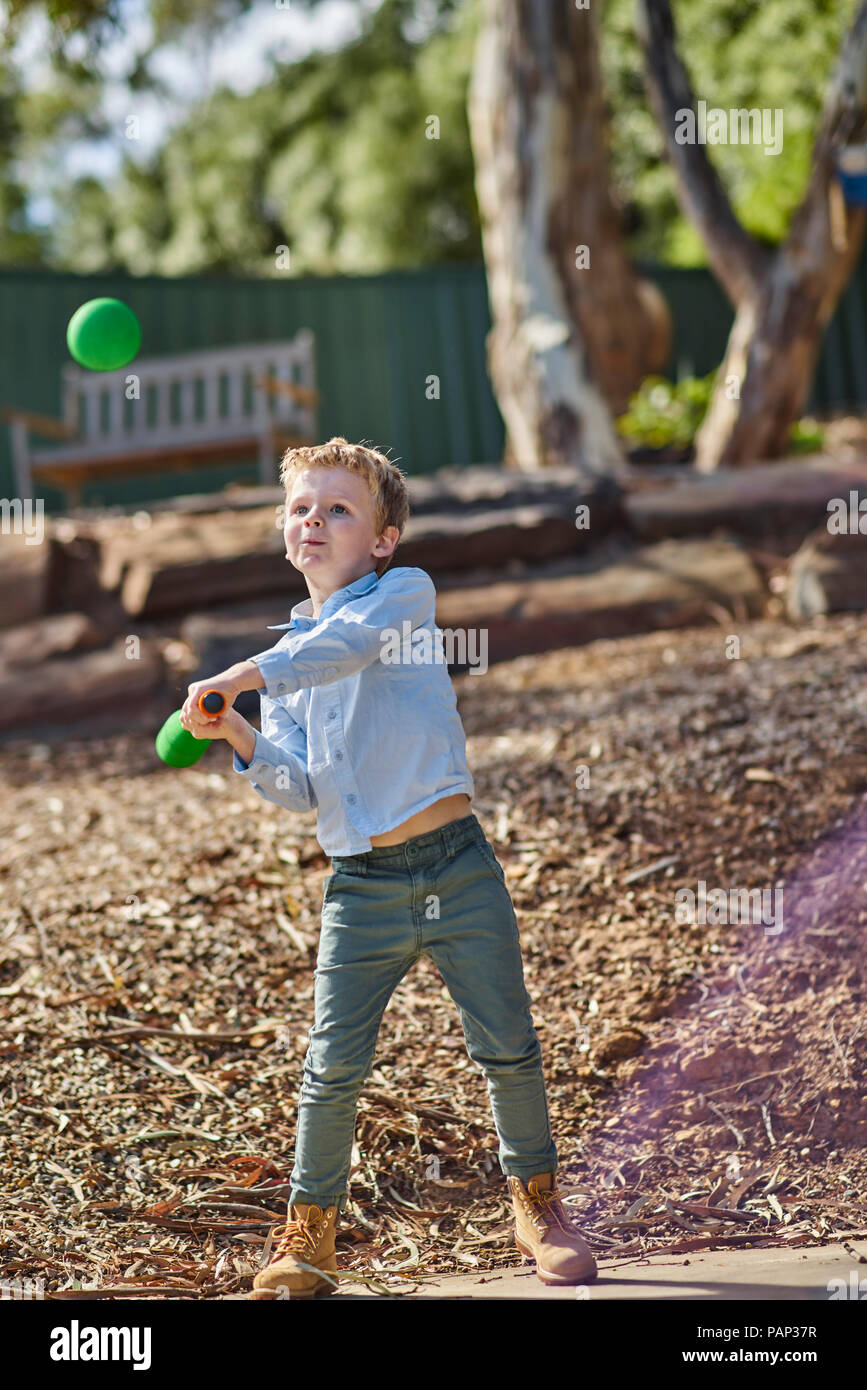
x: 229, y: 686
x: 201, y: 726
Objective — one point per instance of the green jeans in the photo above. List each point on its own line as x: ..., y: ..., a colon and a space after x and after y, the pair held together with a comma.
x: 442, y: 894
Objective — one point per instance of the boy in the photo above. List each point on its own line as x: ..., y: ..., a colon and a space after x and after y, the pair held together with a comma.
x: 373, y: 740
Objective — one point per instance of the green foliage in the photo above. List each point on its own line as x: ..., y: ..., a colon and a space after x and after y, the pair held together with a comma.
x: 762, y: 54
x: 663, y: 415
x: 20, y: 243
x: 667, y: 415
x: 330, y: 156
x: 806, y: 436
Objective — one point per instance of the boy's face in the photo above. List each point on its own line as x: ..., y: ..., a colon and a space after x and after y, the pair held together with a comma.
x: 334, y: 508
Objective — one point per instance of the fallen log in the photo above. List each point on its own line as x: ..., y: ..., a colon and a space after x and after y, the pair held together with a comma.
x: 76, y: 689
x: 24, y: 573
x: 827, y: 575
x: 480, y: 485
x: 178, y: 565
x: 757, y: 502
x: 61, y: 634
x: 669, y: 585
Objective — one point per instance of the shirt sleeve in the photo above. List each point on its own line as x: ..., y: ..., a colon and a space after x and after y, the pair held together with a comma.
x: 352, y: 637
x: 278, y: 767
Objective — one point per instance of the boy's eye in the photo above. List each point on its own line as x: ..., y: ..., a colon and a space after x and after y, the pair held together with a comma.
x: 301, y: 506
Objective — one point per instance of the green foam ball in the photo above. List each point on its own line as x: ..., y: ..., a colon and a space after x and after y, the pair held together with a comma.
x: 103, y: 335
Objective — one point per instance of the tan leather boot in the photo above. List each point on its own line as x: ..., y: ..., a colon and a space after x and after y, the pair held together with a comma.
x: 307, y: 1237
x: 545, y: 1232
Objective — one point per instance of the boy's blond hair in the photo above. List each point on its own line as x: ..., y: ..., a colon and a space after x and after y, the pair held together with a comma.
x: 386, y: 482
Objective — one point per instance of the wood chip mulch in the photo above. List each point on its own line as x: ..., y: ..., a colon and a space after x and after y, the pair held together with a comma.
x: 706, y: 1081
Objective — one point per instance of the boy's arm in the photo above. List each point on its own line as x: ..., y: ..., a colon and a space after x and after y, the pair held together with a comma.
x: 348, y: 640
x: 241, y: 736
x: 275, y: 760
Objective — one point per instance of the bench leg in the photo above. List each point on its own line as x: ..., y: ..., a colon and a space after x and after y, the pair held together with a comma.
x: 21, y: 457
x: 266, y: 460
x: 73, y: 495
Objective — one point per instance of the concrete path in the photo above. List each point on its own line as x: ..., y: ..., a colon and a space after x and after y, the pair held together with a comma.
x: 801, y: 1273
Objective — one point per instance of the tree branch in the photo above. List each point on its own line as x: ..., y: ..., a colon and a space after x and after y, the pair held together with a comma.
x: 738, y: 259
x: 844, y: 119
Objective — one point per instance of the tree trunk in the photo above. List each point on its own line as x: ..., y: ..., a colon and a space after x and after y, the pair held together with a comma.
x: 783, y: 299
x: 573, y: 332
x: 775, y: 341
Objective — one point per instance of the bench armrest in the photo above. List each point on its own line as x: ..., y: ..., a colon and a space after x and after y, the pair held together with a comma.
x: 39, y: 424
x: 304, y: 395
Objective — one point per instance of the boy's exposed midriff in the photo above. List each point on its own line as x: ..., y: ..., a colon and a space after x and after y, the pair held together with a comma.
x: 447, y: 809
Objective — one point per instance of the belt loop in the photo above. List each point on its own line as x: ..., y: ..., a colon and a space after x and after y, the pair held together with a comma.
x: 458, y: 832
x: 449, y: 846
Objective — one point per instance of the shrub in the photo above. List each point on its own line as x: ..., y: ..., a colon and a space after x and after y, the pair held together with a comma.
x: 666, y: 415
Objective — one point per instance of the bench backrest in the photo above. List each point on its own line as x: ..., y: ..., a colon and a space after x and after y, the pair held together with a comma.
x: 191, y: 395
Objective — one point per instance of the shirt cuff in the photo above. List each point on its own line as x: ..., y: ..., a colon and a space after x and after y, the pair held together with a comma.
x: 259, y: 757
x: 262, y: 760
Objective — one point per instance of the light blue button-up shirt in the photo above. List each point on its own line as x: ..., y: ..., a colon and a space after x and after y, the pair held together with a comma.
x: 359, y: 717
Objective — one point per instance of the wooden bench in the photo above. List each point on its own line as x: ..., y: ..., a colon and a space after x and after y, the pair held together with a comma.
x: 195, y: 408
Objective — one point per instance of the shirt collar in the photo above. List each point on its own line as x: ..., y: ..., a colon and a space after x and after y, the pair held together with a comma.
x: 304, y: 609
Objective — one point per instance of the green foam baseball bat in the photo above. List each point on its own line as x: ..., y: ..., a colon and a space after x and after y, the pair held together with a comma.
x: 176, y: 745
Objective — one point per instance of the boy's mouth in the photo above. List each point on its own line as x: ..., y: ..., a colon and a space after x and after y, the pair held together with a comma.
x: 312, y: 542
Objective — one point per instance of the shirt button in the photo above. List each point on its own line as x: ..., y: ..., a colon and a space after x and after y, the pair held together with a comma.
x: 332, y: 714
x: 281, y: 687
x: 351, y: 799
x: 338, y: 755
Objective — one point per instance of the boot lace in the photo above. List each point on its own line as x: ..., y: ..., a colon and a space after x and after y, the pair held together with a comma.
x: 299, y: 1237
x: 546, y: 1209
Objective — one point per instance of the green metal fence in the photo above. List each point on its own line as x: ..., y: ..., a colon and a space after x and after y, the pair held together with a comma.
x: 380, y: 340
